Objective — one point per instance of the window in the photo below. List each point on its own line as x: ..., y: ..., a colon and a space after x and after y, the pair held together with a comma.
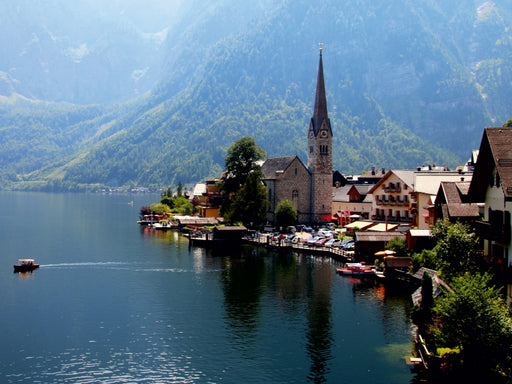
x: 295, y: 198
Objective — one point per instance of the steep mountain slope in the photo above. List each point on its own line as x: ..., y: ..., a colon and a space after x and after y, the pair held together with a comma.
x: 408, y: 84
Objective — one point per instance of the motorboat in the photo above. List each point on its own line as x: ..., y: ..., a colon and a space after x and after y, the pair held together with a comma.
x: 25, y: 265
x: 356, y: 269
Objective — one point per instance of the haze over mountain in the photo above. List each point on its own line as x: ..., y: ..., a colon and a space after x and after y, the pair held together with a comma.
x: 128, y: 93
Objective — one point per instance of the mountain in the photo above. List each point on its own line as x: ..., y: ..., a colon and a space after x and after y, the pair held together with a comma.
x: 407, y: 84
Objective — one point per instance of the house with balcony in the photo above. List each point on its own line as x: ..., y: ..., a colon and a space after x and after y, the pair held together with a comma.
x: 492, y: 185
x: 392, y: 197
x: 208, y: 197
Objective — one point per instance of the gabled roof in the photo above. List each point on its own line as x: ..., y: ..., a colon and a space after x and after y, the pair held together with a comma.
x: 277, y: 164
x: 406, y: 176
x: 453, y: 196
x: 495, y: 152
x: 342, y: 194
x: 454, y: 191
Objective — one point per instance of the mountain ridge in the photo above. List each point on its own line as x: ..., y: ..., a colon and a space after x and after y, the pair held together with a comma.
x: 405, y: 82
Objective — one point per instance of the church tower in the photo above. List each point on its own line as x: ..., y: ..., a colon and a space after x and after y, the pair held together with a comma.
x: 320, y: 152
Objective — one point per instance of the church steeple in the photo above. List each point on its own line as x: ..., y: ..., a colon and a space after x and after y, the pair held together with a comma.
x: 320, y: 152
x: 320, y: 110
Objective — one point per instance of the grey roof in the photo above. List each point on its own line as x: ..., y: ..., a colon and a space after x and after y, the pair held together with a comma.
x: 276, y: 164
x: 341, y: 194
x: 463, y: 210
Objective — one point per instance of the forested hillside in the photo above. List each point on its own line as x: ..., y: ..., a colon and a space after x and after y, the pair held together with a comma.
x: 407, y: 84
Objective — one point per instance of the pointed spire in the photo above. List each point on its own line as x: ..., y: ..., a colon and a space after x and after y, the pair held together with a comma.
x: 320, y: 111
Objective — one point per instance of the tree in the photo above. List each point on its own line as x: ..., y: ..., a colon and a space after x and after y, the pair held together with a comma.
x: 286, y: 214
x: 182, y: 205
x: 455, y: 248
x: 398, y: 245
x: 249, y: 205
x: 475, y: 320
x: 167, y: 198
x: 159, y: 208
x: 241, y: 159
x: 508, y: 123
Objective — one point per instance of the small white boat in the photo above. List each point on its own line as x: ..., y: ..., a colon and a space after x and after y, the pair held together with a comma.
x: 25, y: 265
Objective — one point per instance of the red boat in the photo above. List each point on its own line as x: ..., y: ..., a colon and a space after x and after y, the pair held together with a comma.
x: 356, y: 269
x: 25, y: 265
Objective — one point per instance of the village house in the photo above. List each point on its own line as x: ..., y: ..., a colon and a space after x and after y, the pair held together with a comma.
x: 352, y: 201
x: 425, y: 188
x: 452, y: 204
x: 492, y: 185
x: 391, y: 197
x: 208, y: 196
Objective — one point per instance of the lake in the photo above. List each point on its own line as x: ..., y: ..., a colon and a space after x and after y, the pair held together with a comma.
x: 117, y: 303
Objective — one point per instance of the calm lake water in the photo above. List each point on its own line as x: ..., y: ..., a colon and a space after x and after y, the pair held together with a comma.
x: 114, y: 303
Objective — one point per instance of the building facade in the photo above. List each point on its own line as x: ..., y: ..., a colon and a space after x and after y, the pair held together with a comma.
x: 309, y: 188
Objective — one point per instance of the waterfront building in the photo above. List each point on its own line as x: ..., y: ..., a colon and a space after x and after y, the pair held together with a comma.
x: 492, y: 185
x: 391, y: 197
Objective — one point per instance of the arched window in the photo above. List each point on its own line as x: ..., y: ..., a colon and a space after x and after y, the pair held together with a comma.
x: 295, y: 198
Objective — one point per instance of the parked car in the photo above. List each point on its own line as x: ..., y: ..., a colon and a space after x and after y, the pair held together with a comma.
x: 333, y: 243
x: 345, y: 242
x: 311, y: 242
x: 322, y: 241
x: 349, y: 246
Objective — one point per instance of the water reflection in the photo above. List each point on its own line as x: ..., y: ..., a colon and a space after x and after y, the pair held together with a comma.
x: 303, y: 289
x: 319, y: 334
x: 243, y: 283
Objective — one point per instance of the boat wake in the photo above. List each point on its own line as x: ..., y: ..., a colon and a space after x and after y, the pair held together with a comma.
x: 106, y: 264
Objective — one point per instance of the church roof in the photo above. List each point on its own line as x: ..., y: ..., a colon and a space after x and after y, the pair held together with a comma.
x: 277, y: 164
x: 320, y: 110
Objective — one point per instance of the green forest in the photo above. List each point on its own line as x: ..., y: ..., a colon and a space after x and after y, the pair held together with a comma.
x: 415, y: 94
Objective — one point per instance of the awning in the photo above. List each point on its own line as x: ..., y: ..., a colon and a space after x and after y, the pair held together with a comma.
x: 386, y: 252
x: 383, y: 227
x: 329, y: 218
x: 359, y: 224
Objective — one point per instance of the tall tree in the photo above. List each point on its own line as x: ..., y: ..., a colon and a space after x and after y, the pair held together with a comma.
x: 241, y: 159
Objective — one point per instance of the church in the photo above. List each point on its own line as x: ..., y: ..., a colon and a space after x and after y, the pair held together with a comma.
x: 308, y: 187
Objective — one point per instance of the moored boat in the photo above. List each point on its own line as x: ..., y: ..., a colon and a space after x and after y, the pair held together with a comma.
x: 25, y: 265
x: 356, y: 269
